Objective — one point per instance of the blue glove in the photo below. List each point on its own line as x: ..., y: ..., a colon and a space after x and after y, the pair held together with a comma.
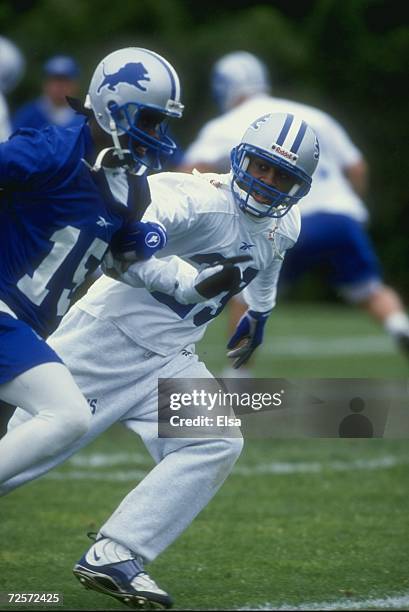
x: 248, y: 335
x: 138, y: 241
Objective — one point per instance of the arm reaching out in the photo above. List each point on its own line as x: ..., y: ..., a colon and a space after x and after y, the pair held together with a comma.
x: 176, y: 277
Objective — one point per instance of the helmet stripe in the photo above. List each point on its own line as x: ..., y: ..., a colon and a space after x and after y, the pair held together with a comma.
x: 298, y: 139
x: 170, y: 73
x: 285, y: 129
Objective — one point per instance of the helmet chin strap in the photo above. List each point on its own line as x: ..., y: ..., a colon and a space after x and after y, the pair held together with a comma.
x: 98, y: 162
x: 250, y: 201
x: 100, y: 157
x: 119, y: 151
x: 244, y: 196
x: 116, y: 150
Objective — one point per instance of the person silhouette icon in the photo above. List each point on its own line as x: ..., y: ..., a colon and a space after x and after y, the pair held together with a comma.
x: 356, y: 425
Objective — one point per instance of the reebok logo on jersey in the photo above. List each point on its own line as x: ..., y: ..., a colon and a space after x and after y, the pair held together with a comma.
x: 292, y: 157
x: 103, y: 222
x: 245, y: 246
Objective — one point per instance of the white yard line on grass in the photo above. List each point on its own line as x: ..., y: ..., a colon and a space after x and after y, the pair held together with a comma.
x: 89, y: 463
x: 397, y: 602
x: 117, y: 476
x: 313, y: 467
x: 107, y: 459
x: 328, y: 347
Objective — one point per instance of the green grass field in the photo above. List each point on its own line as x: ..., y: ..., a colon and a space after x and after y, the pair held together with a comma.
x: 298, y: 524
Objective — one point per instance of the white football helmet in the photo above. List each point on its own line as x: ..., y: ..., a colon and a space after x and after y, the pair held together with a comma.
x: 12, y: 65
x: 285, y: 142
x: 133, y: 91
x: 236, y: 75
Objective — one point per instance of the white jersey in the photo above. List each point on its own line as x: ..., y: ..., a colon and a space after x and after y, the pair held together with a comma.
x: 5, y: 127
x: 330, y: 191
x: 203, y: 223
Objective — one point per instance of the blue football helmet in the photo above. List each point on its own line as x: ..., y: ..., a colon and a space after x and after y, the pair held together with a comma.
x: 289, y: 145
x: 134, y: 91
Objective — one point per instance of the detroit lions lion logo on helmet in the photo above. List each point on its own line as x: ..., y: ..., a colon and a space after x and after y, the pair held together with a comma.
x: 132, y: 92
x: 131, y: 73
x: 256, y: 124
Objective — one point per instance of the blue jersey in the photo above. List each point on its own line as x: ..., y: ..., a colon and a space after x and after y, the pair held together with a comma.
x: 38, y: 114
x: 57, y: 219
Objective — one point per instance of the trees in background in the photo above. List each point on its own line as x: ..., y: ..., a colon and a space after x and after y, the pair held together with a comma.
x: 348, y: 58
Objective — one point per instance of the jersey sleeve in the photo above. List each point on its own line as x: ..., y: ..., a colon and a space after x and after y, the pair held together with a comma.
x: 171, y: 275
x: 261, y: 294
x: 28, y: 155
x: 172, y: 205
x: 178, y: 201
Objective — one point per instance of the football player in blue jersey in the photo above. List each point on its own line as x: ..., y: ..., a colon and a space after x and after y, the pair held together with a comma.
x: 69, y: 197
x: 61, y: 75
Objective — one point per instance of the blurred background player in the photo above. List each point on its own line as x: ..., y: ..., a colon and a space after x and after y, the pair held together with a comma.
x: 333, y: 229
x: 68, y: 195
x: 12, y: 66
x: 61, y: 76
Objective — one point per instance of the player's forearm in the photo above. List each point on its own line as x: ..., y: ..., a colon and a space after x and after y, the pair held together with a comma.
x: 260, y: 295
x: 159, y: 274
x: 260, y: 301
x: 357, y: 175
x: 179, y: 279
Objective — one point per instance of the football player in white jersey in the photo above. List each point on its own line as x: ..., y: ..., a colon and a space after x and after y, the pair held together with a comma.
x: 119, y: 339
x: 333, y: 214
x: 12, y: 67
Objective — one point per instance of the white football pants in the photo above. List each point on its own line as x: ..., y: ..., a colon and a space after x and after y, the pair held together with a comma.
x: 56, y: 415
x: 121, y: 378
